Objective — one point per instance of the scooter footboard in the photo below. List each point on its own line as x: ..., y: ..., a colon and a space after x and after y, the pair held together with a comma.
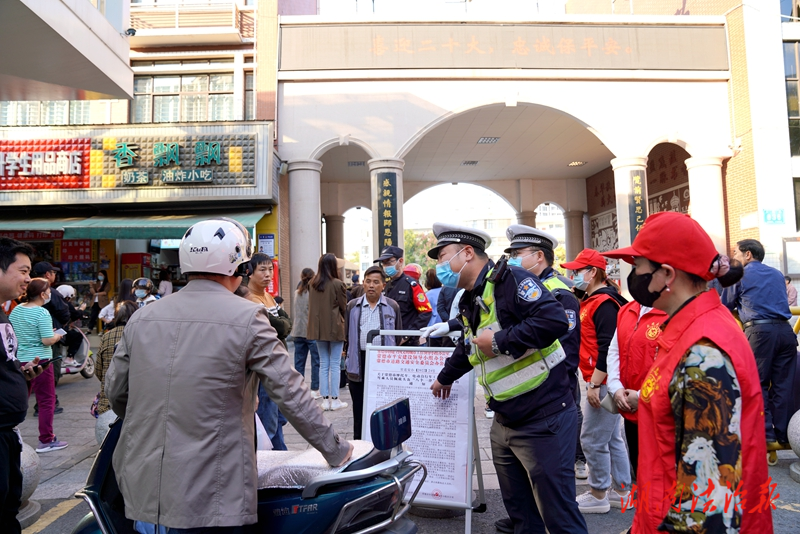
x: 353, y: 507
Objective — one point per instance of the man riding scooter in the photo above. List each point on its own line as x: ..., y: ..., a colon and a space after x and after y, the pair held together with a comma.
x: 183, y: 379
x: 73, y: 338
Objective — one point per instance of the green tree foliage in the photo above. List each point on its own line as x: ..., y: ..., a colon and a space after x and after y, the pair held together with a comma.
x: 416, y: 247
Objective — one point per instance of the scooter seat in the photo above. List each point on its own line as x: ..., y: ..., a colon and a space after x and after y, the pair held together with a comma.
x: 295, y: 469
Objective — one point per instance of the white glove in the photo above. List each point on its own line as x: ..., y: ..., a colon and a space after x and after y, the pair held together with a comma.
x: 436, y: 330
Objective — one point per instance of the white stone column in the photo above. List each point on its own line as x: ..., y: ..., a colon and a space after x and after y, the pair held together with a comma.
x: 528, y: 218
x: 377, y: 166
x: 573, y: 232
x: 706, y: 200
x: 623, y: 189
x: 305, y: 216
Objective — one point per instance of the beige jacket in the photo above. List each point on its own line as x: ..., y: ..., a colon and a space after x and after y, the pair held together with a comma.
x: 184, y: 379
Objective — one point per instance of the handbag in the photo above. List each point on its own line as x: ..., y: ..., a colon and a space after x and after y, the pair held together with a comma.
x: 93, y: 408
x: 608, y: 404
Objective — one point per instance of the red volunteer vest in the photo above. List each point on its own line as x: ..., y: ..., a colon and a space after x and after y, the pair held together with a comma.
x: 637, y: 346
x: 589, y: 348
x: 703, y: 318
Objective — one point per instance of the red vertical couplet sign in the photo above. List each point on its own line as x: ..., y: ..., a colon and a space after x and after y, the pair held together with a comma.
x: 274, y: 287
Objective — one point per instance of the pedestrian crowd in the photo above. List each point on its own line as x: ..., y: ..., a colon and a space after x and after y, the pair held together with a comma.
x: 672, y: 403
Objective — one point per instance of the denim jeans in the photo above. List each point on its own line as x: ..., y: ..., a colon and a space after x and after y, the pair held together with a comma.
x: 272, y: 419
x: 604, y: 448
x: 330, y: 363
x: 301, y: 348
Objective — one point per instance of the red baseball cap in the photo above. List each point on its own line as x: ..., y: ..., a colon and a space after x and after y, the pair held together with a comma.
x: 587, y: 257
x: 675, y: 239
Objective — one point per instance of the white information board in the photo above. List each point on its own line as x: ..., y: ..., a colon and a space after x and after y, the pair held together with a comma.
x: 442, y: 430
x: 266, y: 244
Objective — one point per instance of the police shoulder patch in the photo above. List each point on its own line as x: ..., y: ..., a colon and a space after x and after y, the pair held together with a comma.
x: 572, y: 317
x: 529, y: 290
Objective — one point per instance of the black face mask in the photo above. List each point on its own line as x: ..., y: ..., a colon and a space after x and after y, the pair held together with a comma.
x: 638, y: 286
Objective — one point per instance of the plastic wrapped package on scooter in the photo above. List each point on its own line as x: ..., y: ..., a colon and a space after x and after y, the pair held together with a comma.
x: 296, y: 469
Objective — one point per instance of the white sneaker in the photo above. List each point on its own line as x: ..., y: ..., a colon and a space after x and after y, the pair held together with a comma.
x: 589, y: 504
x: 581, y: 471
x: 489, y: 413
x: 326, y: 404
x: 315, y: 394
x: 336, y: 404
x: 616, y: 498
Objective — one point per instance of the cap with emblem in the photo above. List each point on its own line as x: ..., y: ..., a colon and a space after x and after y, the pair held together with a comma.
x: 43, y: 267
x: 449, y: 234
x: 521, y: 236
x: 587, y: 257
x: 388, y: 253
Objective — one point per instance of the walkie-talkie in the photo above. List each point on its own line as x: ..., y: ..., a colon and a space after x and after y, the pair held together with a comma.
x: 498, y: 273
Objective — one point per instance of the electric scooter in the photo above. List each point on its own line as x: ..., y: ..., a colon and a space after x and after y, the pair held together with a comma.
x: 84, y: 358
x: 298, y: 492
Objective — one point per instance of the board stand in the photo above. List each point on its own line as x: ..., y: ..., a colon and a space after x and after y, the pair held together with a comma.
x: 473, y: 462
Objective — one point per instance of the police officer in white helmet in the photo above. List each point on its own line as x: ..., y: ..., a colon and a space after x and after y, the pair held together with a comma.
x: 183, y: 379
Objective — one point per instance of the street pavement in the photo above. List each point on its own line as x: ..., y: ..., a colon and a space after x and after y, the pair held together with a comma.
x: 64, y: 472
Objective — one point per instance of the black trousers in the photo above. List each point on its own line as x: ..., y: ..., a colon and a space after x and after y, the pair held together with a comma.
x: 73, y: 340
x: 95, y: 313
x: 775, y: 349
x: 535, y: 466
x: 579, y: 456
x: 10, y: 481
x: 357, y: 396
x: 632, y: 438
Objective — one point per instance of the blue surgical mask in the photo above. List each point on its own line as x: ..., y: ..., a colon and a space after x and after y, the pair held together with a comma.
x: 445, y: 273
x: 140, y: 293
x: 101, y: 278
x: 517, y: 262
x: 390, y: 271
x: 580, y: 282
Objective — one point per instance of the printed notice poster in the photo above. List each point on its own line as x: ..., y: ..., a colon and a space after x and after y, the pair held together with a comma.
x: 441, y: 429
x: 266, y: 244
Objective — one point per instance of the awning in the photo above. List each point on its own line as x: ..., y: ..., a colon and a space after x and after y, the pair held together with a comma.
x: 151, y: 226
x: 36, y: 225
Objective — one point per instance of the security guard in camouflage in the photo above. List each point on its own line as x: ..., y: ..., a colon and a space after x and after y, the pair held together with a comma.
x: 534, y: 429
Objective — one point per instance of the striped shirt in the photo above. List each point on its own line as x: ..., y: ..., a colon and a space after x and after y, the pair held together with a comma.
x: 31, y: 325
x: 370, y: 320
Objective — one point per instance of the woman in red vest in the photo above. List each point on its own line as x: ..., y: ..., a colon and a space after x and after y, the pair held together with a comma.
x: 638, y: 328
x: 601, y: 437
x: 701, y: 414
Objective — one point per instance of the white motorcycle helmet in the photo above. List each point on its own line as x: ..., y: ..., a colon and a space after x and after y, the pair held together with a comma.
x: 217, y: 246
x: 68, y: 292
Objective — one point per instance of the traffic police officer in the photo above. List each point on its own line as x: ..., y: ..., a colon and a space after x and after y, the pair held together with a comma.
x: 533, y: 250
x: 415, y: 309
x: 510, y: 319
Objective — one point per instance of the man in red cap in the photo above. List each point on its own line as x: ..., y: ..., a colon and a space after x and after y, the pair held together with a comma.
x: 601, y: 436
x: 701, y: 414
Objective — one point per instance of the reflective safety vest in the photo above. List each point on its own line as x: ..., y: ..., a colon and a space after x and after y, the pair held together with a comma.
x: 553, y: 283
x: 505, y: 377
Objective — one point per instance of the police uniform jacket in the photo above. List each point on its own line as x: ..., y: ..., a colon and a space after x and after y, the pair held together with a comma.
x: 531, y: 318
x: 571, y: 341
x: 402, y: 291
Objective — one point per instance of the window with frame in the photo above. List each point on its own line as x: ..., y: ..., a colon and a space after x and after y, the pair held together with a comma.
x: 790, y: 64
x: 183, y: 98
x: 249, y: 96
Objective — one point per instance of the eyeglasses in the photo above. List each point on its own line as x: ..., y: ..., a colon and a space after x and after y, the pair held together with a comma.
x: 518, y: 252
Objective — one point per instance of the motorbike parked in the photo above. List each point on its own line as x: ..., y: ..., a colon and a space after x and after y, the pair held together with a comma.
x: 298, y: 492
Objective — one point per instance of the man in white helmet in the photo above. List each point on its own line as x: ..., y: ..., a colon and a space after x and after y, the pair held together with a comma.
x: 183, y: 378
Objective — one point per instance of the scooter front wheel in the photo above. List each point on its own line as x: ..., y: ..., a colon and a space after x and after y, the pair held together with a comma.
x: 88, y: 370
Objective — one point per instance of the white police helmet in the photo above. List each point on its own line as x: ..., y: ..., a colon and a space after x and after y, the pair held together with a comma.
x: 217, y: 246
x: 68, y: 292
